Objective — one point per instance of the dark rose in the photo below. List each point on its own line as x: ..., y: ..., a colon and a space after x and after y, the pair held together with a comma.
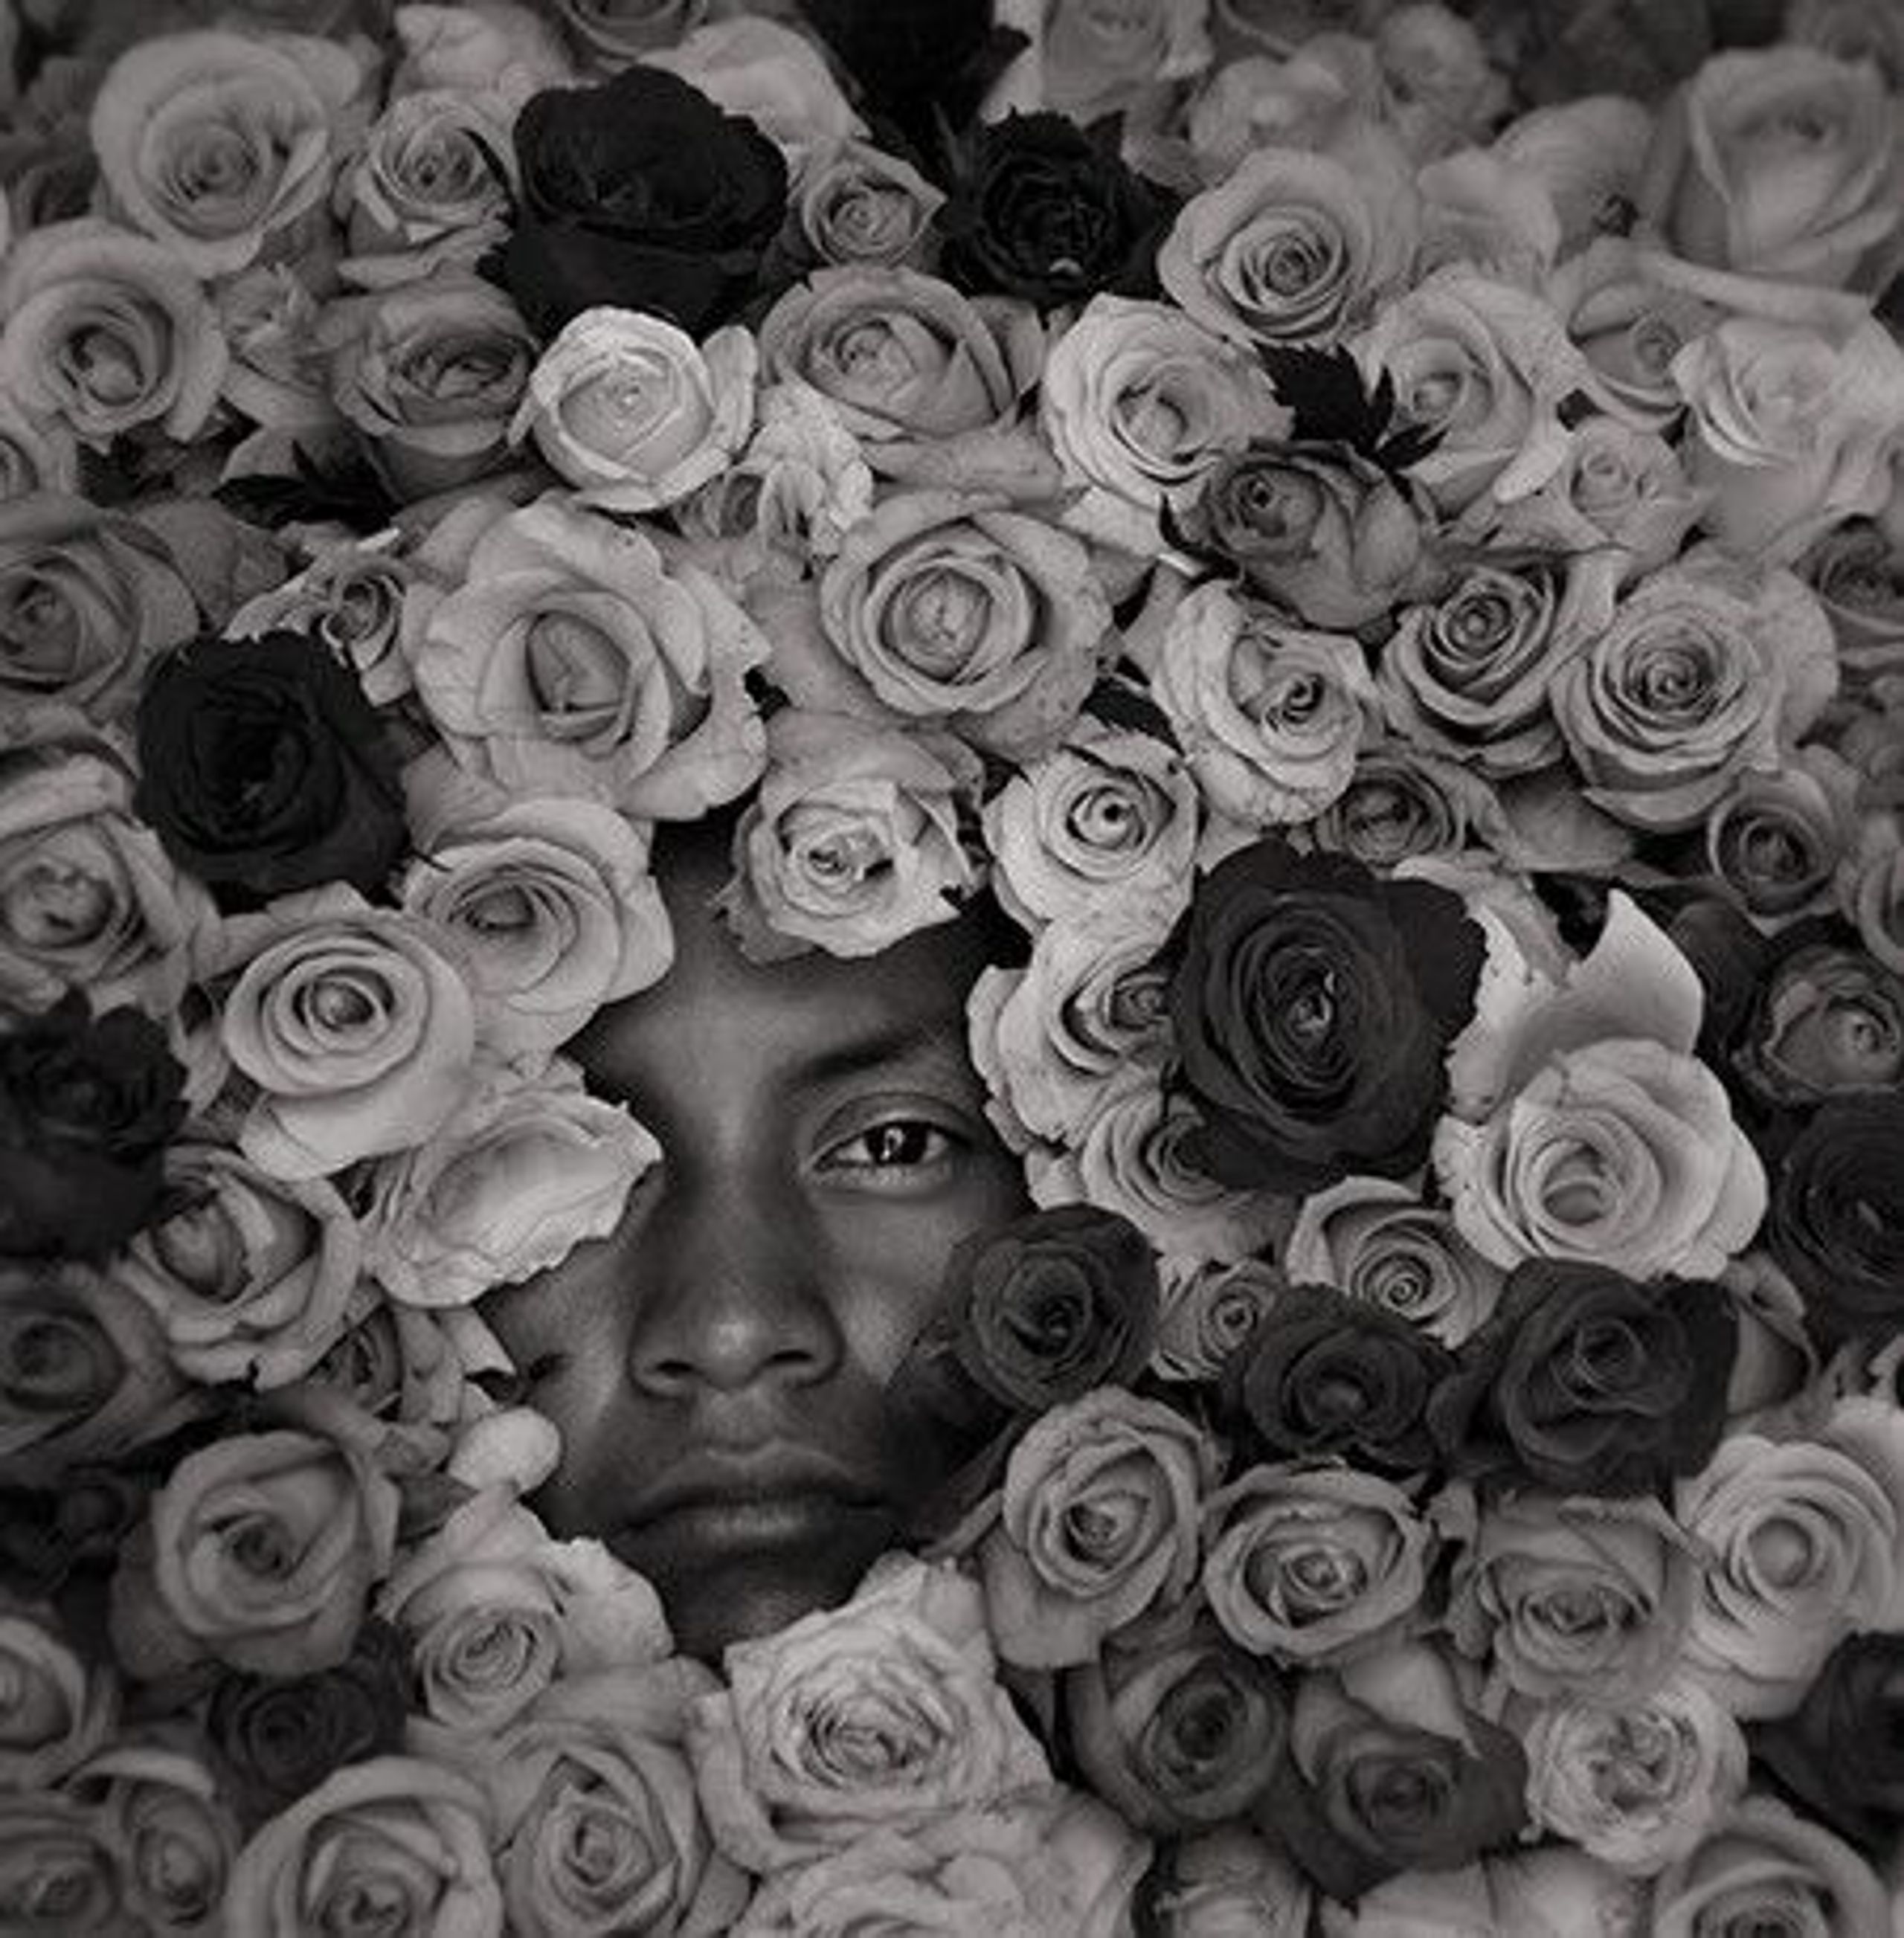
x: 1325, y: 1374
x: 1313, y: 526
x: 86, y: 1107
x: 1589, y: 1382
x: 1179, y: 1737
x: 1044, y: 211
x: 266, y: 770
x: 1841, y: 1752
x: 1829, y: 1022
x: 641, y: 194
x: 279, y: 1736
x: 1837, y: 1219
x: 1314, y: 1005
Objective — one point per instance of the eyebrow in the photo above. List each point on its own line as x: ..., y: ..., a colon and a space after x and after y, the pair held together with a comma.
x: 909, y: 1043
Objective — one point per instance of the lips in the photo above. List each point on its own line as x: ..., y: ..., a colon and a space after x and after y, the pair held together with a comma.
x: 763, y: 1498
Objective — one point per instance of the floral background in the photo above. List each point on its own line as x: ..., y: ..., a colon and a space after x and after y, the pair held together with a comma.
x: 1373, y: 534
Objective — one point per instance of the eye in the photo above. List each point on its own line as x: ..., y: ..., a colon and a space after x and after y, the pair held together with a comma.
x: 894, y: 1148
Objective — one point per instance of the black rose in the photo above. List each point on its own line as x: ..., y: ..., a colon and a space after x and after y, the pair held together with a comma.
x: 1314, y: 1005
x: 1044, y: 211
x: 1837, y: 1219
x: 265, y: 770
x: 1588, y: 1382
x: 1325, y: 1374
x: 87, y: 1105
x: 641, y: 194
x: 1841, y: 1752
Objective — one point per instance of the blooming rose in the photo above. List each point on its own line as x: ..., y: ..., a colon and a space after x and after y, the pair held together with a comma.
x: 768, y: 71
x: 1790, y: 431
x: 1229, y: 1883
x: 356, y: 1026
x: 855, y: 203
x: 1259, y: 101
x: 1857, y: 574
x: 1208, y: 1313
x: 56, y: 1711
x: 1401, y: 804
x: 1096, y: 58
x: 550, y: 897
x: 1779, y: 162
x: 1762, y: 1865
x: 252, y: 1278
x: 502, y: 48
x: 1826, y: 1021
x: 1097, y: 1525
x: 574, y: 661
x: 1270, y: 716
x: 1139, y: 402
x: 1623, y: 485
x: 1837, y: 1221
x: 853, y: 841
x: 1293, y: 247
x: 277, y: 373
x: 878, y: 1716
x: 1438, y: 92
x: 214, y: 143
x: 1375, y: 1240
x: 1314, y: 1565
x: 1777, y: 840
x: 59, y: 1860
x: 398, y: 1832
x: 955, y: 610
x: 431, y: 374
x: 1838, y: 1751
x: 1639, y: 1785
x: 901, y: 355
x: 1574, y: 1597
x: 633, y: 413
x: 163, y: 1813
x: 1585, y: 154
x: 260, y: 1553
x: 429, y: 189
x: 609, y: 34
x: 506, y: 1187
x: 152, y: 351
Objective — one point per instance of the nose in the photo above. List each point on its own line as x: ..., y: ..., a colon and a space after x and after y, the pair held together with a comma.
x: 728, y: 1292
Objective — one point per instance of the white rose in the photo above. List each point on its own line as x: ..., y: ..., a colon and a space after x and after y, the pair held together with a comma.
x: 1763, y: 1867
x: 486, y: 47
x: 763, y: 70
x: 1586, y: 154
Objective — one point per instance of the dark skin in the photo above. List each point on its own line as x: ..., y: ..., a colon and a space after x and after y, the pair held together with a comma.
x: 717, y: 1366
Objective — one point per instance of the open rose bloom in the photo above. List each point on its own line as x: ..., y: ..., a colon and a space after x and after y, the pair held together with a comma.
x: 952, y: 968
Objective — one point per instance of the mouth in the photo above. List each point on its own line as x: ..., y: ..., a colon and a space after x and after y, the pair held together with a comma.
x: 710, y: 1504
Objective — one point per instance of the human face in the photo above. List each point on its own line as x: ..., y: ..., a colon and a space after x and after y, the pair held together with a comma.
x: 717, y: 1365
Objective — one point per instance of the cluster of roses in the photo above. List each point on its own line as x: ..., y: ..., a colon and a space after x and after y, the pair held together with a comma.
x: 1398, y: 598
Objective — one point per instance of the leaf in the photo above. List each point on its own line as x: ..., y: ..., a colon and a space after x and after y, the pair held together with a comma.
x: 1331, y: 403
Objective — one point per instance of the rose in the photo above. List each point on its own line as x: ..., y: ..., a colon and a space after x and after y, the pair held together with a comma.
x: 1324, y: 1375
x: 88, y: 900
x: 1837, y: 1752
x: 1311, y: 1024
x: 550, y: 898
x: 1837, y: 1218
x: 1844, y: 29
x: 428, y: 189
x: 1401, y: 804
x: 880, y: 1715
x: 1572, y: 1598
x: 217, y: 144
x: 1178, y: 1736
x: 1800, y: 1536
x: 1097, y: 59
x: 1621, y: 1152
x: 58, y: 1861
x: 1777, y: 840
x: 431, y: 375
x: 35, y: 454
x: 1315, y: 527
x: 1228, y: 1883
x: 901, y: 355
x: 1763, y: 1864
x: 1097, y: 1525
x: 409, y: 1366
x: 852, y: 841
x: 1438, y: 91
x: 1827, y: 1022
x: 161, y: 1810
x: 506, y: 1187
x: 251, y: 1278
x: 1871, y: 888
x: 770, y: 72
x: 1790, y: 431
x: 276, y: 374
x: 264, y: 770
x: 1138, y: 403
x: 1778, y: 162
x: 1485, y: 366
x: 1038, y: 211
x: 1110, y: 815
x: 504, y: 49
x: 955, y: 610
x: 596, y: 1825
x: 922, y: 64
x: 1270, y: 716
x: 90, y: 598
x: 1852, y: 570
x: 633, y: 414
x: 1586, y: 154
x: 56, y: 1711
x: 609, y: 34
x: 1376, y: 1241
x: 87, y: 1105
x: 853, y: 203
x: 1053, y: 1039
x: 1625, y: 486
x: 1314, y: 1565
x: 1208, y: 1314
x: 573, y: 659
x: 493, y: 1610
x: 398, y: 1832
x: 260, y: 1553
x: 641, y: 183
x: 1293, y: 247
x: 1639, y: 1786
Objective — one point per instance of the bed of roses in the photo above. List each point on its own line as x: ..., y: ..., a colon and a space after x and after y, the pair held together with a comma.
x: 1374, y: 534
